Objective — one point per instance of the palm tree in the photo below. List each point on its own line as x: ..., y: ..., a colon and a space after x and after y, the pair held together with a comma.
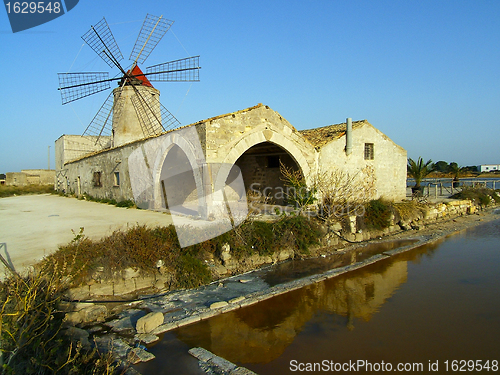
x: 456, y: 171
x: 418, y: 170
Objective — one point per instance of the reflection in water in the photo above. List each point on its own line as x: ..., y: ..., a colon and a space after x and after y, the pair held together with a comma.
x: 296, y: 269
x: 437, y: 302
x: 260, y: 333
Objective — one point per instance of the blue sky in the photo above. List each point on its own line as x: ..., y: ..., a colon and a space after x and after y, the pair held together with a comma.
x: 426, y: 73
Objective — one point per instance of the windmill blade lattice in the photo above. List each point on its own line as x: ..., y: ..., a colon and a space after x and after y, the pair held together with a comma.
x: 102, y: 123
x: 101, y: 40
x: 74, y: 86
x: 183, y: 70
x: 153, y: 121
x: 153, y: 29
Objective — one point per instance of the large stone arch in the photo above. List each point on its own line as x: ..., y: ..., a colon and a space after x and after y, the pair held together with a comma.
x: 251, y: 139
x: 187, y: 141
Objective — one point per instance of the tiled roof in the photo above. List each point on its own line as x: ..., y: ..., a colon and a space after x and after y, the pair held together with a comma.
x: 321, y: 136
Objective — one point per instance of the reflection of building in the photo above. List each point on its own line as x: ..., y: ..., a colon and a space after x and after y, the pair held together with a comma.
x: 260, y: 333
x: 31, y: 177
x: 257, y: 140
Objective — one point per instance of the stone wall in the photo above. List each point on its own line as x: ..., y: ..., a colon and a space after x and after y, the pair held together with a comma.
x: 387, y: 170
x: 223, y: 141
x: 30, y: 177
x: 112, y: 182
x: 72, y: 147
x: 130, y: 280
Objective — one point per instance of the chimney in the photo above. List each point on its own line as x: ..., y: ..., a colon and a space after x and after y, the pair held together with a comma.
x: 348, y: 136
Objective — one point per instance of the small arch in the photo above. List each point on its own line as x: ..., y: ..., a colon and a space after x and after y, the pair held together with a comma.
x: 179, y: 156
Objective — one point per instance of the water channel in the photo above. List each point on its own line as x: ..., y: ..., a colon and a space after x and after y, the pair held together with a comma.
x: 439, y: 302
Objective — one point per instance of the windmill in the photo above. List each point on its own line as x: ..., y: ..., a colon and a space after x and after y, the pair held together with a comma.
x: 132, y: 110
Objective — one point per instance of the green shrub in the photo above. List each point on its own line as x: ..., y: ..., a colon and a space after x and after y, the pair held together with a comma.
x: 126, y: 203
x: 377, y: 214
x: 191, y: 272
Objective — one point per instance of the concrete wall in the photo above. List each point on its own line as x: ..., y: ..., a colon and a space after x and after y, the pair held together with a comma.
x: 384, y: 176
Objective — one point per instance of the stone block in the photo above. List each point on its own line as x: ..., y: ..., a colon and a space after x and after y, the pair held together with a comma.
x: 242, y: 371
x: 137, y: 355
x: 220, y: 269
x: 284, y: 254
x: 237, y: 299
x: 104, y: 289
x: 336, y: 226
x: 189, y: 320
x: 149, y: 322
x: 164, y: 328
x: 130, y: 273
x: 143, y: 282
x: 93, y: 313
x: 218, y: 305
x: 222, y: 364
x: 146, y: 338
x: 123, y: 287
x: 201, y: 354
x: 79, y: 294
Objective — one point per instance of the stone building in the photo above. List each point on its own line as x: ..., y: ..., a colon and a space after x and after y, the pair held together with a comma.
x: 31, y: 177
x: 194, y: 166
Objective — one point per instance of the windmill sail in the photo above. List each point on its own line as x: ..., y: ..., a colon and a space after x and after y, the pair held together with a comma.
x: 74, y: 86
x: 153, y: 29
x: 183, y: 70
x: 101, y: 40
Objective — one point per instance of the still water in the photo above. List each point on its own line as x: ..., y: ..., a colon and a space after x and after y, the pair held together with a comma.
x: 436, y: 303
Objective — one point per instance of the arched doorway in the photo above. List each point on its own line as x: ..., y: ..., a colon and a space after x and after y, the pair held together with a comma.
x: 179, y: 191
x: 262, y: 176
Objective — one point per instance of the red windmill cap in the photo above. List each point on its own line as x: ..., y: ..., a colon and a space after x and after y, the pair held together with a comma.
x: 137, y: 73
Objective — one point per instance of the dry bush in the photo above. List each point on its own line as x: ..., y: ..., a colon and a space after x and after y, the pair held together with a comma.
x: 297, y: 193
x: 31, y: 335
x: 342, y: 193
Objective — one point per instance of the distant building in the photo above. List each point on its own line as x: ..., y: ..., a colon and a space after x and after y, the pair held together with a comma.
x: 2, y: 178
x: 31, y: 177
x: 489, y: 167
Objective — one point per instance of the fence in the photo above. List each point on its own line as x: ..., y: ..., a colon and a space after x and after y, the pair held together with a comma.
x: 446, y: 187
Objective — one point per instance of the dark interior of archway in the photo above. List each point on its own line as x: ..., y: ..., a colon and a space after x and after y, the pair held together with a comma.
x: 177, y: 181
x: 260, y: 168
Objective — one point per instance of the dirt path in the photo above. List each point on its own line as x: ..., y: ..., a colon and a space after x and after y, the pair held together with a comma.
x: 33, y: 226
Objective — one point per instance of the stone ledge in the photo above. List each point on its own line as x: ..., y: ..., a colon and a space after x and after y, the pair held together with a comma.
x: 218, y: 364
